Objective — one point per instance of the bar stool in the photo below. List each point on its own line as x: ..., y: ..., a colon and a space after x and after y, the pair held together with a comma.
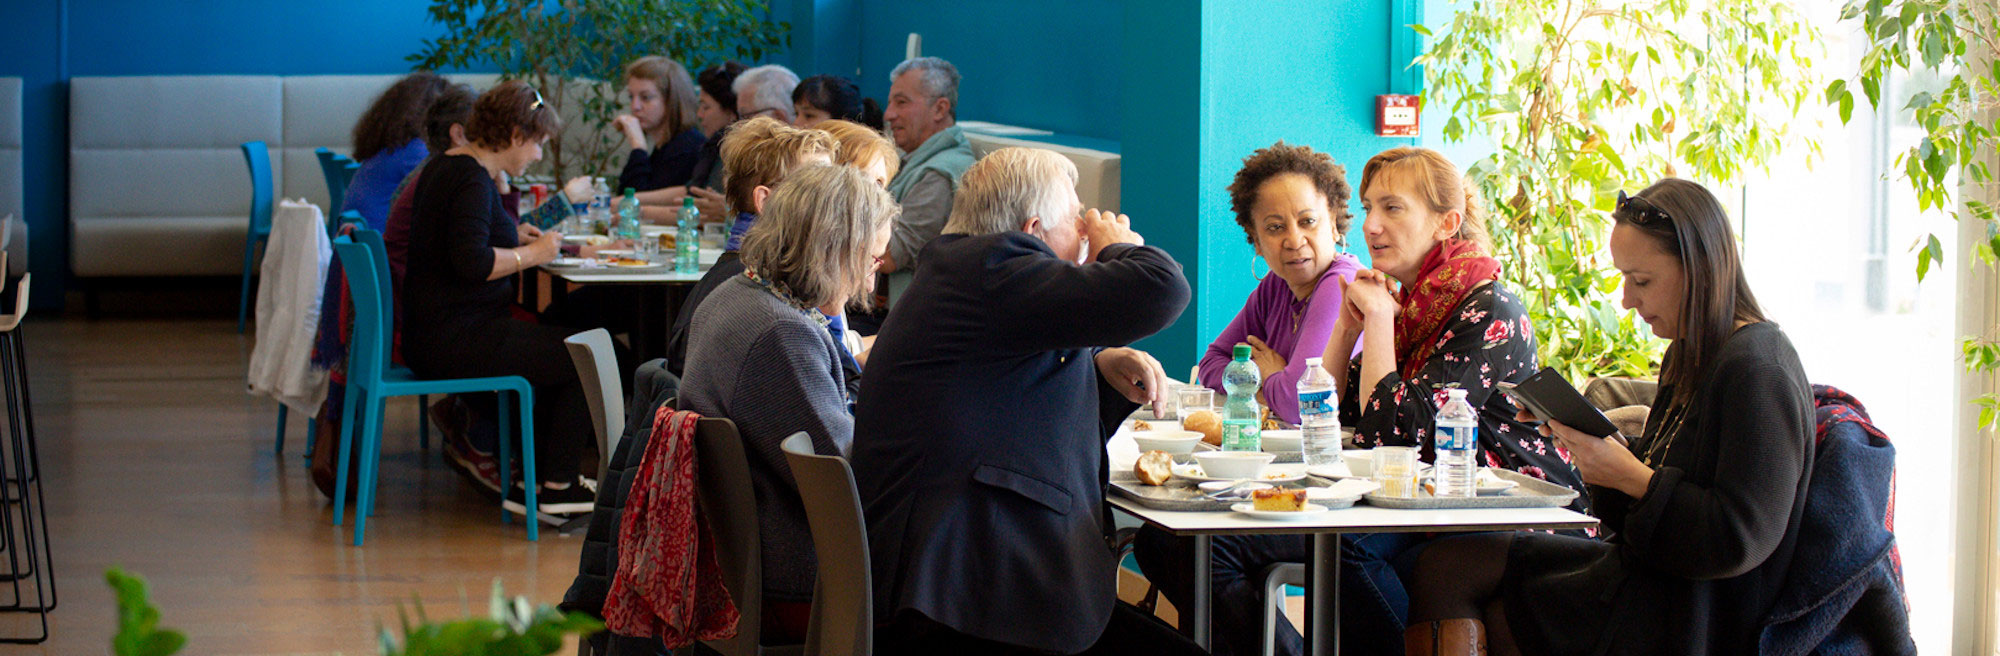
x: 29, y: 560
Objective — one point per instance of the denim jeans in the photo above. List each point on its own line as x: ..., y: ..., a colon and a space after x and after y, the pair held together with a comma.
x: 1373, y: 603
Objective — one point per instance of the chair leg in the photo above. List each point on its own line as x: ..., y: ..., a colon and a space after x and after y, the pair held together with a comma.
x: 506, y: 455
x: 526, y: 402
x: 348, y: 413
x: 243, y: 300
x: 282, y: 408
x: 34, y: 467
x: 371, y: 439
x: 424, y: 421
x: 312, y: 436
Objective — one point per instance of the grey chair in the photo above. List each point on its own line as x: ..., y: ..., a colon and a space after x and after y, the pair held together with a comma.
x: 597, y: 367
x: 1276, y: 577
x: 843, y: 606
x: 729, y: 508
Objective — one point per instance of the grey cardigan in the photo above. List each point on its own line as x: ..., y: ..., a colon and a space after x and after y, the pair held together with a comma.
x: 774, y: 370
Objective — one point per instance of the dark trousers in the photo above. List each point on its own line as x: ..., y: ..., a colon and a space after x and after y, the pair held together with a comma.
x: 1129, y: 632
x: 511, y: 347
x: 1373, y: 603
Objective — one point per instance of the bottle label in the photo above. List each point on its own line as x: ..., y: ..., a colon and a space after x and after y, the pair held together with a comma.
x: 1241, y: 436
x: 1315, y: 403
x: 1457, y: 437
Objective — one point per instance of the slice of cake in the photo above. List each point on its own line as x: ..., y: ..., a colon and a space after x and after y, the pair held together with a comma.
x: 1279, y: 499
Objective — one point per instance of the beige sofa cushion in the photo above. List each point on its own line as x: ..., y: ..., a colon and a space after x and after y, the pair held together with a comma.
x: 1097, y: 172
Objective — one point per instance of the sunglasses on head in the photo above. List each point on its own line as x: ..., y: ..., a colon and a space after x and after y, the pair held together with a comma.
x: 1643, y: 211
x: 538, y: 99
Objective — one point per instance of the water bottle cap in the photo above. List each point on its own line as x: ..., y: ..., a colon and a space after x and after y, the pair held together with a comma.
x: 630, y: 191
x: 687, y: 202
x: 1455, y: 393
x: 1242, y: 352
x: 1313, y: 362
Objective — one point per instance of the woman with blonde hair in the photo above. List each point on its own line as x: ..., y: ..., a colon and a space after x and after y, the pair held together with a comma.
x: 661, y: 130
x: 762, y: 353
x: 863, y: 148
x: 758, y: 154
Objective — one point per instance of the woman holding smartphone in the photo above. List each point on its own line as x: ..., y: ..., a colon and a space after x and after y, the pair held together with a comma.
x: 1703, y: 509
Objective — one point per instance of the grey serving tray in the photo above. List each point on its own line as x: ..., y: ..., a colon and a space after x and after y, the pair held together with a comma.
x: 1530, y: 493
x: 1181, y: 493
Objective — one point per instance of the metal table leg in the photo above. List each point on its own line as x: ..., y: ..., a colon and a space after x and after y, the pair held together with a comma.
x: 1198, y: 616
x: 1322, y: 632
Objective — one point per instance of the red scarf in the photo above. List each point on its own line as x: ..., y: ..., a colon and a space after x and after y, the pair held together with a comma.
x: 1451, y: 271
x: 668, y: 584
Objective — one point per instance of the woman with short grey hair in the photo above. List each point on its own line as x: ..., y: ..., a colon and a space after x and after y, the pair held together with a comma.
x: 763, y: 353
x: 765, y: 91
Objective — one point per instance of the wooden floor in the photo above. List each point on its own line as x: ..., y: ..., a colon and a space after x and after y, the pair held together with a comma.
x: 156, y: 460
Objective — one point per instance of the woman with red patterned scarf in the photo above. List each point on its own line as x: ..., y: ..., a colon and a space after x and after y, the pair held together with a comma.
x: 1432, y: 315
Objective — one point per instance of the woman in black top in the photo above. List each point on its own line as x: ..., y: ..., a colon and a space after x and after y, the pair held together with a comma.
x: 1702, y: 510
x: 660, y: 129
x: 464, y: 251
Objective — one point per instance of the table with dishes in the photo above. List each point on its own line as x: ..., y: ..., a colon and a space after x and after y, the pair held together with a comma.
x: 1167, y: 473
x: 652, y: 270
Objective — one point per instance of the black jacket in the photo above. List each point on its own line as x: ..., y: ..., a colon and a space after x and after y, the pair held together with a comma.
x: 979, y: 435
x: 652, y: 386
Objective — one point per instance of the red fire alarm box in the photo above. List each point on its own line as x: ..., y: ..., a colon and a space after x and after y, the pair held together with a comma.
x: 1396, y: 115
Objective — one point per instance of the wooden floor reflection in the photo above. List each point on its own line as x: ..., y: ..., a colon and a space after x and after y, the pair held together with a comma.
x: 156, y: 460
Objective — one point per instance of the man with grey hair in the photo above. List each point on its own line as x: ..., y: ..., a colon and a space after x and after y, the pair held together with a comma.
x: 980, y: 428
x: 922, y: 117
x: 765, y: 91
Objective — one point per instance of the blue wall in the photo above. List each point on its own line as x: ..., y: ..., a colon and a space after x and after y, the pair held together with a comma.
x: 1306, y: 73
x: 31, y: 43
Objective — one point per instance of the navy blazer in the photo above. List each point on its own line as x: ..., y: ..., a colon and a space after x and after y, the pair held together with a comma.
x: 979, y: 435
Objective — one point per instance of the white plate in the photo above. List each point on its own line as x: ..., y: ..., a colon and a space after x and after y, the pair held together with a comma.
x: 613, y: 252
x: 1291, y: 473
x: 1250, y: 509
x: 587, y: 239
x: 1343, y: 492
x: 650, y: 230
x: 569, y: 262
x: 1487, y: 483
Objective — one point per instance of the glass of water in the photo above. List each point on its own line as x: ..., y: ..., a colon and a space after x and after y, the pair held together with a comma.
x: 1396, y: 470
x: 1193, y: 398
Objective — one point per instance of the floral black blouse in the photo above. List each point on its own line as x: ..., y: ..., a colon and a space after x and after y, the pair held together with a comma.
x: 1489, y: 341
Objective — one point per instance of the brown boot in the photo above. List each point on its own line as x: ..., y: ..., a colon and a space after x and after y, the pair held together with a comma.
x: 1464, y: 637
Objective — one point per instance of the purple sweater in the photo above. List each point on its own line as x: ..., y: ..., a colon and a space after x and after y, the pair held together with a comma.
x: 1269, y: 316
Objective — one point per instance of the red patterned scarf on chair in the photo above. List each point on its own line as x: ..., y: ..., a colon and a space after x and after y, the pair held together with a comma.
x: 1450, y: 271
x: 668, y: 584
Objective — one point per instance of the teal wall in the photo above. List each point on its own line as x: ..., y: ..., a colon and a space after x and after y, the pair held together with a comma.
x: 1306, y: 73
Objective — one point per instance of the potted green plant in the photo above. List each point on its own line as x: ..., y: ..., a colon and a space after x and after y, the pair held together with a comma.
x: 574, y: 52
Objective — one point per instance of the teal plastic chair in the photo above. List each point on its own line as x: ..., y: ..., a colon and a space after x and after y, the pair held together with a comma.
x: 338, y: 170
x: 380, y: 251
x: 258, y: 157
x: 371, y: 379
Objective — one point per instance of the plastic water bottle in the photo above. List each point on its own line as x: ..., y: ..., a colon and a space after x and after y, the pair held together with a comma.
x: 1457, y: 446
x: 1319, y: 419
x: 687, y: 238
x: 600, y: 207
x: 628, y: 215
x: 1242, y: 422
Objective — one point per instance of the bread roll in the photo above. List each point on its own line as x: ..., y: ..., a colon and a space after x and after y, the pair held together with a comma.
x: 1207, y: 423
x: 1154, y: 467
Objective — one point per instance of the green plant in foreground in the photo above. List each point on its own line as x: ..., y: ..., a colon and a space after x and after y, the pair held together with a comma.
x: 513, y: 627
x: 139, y: 632
x: 1583, y: 98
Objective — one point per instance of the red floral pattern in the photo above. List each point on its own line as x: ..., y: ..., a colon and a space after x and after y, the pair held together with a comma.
x: 668, y: 584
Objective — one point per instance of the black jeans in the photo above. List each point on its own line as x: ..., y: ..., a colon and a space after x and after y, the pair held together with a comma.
x: 511, y: 347
x: 1373, y: 603
x: 1129, y: 632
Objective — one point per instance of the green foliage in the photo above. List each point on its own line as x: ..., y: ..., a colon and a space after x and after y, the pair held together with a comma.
x: 511, y: 628
x: 1954, y: 41
x: 576, y: 51
x: 1583, y: 98
x: 139, y: 632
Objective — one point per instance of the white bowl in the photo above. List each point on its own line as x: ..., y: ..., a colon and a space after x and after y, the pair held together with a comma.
x: 1174, y: 442
x: 1360, y: 462
x: 1282, y: 441
x: 1236, y: 465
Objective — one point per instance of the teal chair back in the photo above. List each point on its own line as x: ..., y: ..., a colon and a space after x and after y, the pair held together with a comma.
x: 338, y: 171
x: 258, y: 157
x: 367, y: 348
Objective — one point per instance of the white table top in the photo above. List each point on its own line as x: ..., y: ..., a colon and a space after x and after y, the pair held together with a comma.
x: 1121, y: 453
x: 663, y: 274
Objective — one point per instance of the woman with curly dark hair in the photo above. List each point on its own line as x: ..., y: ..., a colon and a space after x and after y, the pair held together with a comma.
x: 1291, y: 202
x: 389, y: 144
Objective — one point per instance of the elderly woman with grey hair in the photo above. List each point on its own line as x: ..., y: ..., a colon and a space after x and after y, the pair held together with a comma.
x: 765, y: 91
x: 761, y: 353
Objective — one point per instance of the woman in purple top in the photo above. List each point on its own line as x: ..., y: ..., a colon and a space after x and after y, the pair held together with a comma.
x: 1292, y: 204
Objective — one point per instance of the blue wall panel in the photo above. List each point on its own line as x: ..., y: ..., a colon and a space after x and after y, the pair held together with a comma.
x: 31, y: 47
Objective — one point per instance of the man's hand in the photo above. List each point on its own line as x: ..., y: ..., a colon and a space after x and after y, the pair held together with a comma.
x: 1134, y: 374
x: 1101, y: 229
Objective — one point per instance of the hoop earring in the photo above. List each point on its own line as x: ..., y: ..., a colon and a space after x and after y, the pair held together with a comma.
x: 1254, y: 259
